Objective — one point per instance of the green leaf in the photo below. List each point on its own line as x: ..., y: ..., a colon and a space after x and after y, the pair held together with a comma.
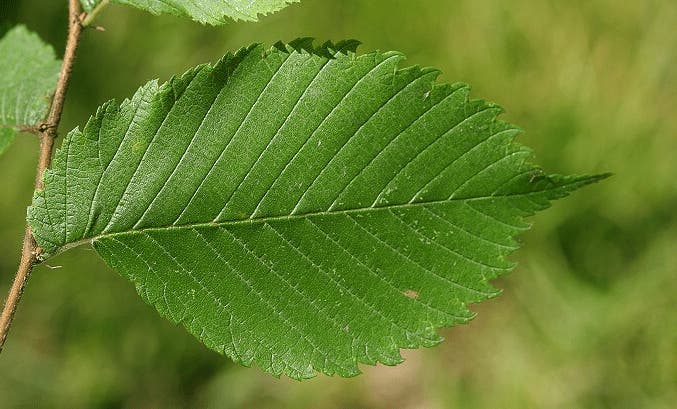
x: 304, y: 210
x: 214, y: 12
x: 28, y: 75
x: 89, y: 5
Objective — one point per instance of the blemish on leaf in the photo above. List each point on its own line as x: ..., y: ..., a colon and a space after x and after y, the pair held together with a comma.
x: 411, y: 294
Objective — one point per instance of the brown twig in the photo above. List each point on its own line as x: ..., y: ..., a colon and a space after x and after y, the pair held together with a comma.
x: 47, y: 132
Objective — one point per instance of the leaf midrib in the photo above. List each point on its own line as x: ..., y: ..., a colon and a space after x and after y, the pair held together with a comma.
x: 92, y: 239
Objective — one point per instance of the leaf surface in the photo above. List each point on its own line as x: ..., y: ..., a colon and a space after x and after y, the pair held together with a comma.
x: 28, y: 75
x: 302, y: 209
x: 214, y: 12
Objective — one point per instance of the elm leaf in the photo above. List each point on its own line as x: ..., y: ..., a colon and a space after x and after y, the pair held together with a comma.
x: 304, y: 209
x: 214, y: 12
x: 28, y: 74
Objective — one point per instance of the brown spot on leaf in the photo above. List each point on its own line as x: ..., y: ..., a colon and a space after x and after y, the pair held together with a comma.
x: 411, y: 294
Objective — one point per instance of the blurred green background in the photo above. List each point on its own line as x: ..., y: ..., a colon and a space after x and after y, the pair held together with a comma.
x: 587, y: 319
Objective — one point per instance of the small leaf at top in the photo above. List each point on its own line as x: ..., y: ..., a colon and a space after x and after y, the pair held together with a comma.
x: 302, y: 209
x: 214, y: 12
x: 28, y: 75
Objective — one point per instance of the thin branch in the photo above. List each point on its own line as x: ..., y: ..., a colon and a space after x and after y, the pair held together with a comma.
x: 48, y: 132
x: 95, y: 12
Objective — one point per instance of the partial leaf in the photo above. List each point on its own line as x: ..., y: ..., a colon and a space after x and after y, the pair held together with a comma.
x: 214, y: 12
x: 28, y: 74
x: 302, y: 209
x: 89, y: 5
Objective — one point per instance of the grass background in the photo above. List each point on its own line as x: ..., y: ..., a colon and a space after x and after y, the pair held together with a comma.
x: 587, y: 319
